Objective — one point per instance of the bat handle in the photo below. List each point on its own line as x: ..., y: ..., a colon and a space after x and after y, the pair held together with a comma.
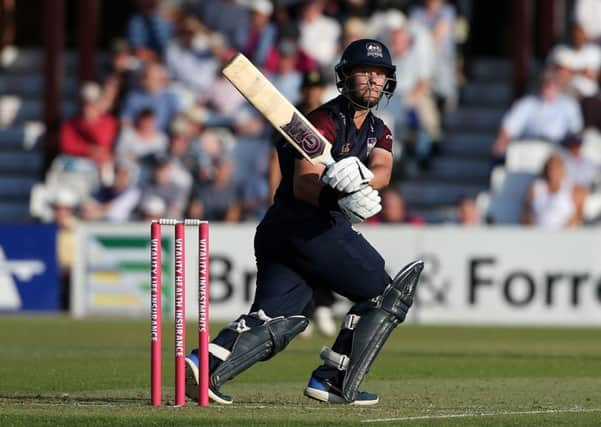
x: 327, y: 160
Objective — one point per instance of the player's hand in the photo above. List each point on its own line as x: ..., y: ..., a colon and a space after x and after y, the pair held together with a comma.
x: 347, y: 175
x: 361, y: 204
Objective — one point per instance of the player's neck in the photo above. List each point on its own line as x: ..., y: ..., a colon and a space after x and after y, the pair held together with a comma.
x: 359, y: 117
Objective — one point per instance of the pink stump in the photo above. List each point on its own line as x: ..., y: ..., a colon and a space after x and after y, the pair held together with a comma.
x: 180, y: 314
x: 156, y: 339
x: 203, y: 314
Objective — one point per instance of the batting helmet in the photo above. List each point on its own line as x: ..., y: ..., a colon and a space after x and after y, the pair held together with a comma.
x: 365, y: 52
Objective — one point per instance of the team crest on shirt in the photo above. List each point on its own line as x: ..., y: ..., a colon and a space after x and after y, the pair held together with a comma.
x: 371, y: 143
x: 346, y: 148
x: 374, y: 49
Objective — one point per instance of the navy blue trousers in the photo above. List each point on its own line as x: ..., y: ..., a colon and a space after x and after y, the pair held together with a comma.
x: 293, y: 258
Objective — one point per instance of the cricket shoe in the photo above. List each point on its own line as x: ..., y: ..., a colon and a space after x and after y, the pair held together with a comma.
x: 324, y: 391
x: 192, y: 383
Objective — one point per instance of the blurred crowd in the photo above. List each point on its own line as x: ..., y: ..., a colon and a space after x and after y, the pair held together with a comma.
x: 562, y: 115
x: 163, y: 134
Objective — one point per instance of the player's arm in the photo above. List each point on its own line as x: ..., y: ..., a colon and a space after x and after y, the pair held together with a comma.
x: 380, y: 163
x: 307, y: 185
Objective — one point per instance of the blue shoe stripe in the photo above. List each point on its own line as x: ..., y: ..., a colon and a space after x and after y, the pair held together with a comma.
x: 317, y: 385
x: 193, y: 357
x: 362, y: 396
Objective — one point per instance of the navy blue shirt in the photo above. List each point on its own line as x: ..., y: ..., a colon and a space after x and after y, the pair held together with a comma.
x: 334, y: 120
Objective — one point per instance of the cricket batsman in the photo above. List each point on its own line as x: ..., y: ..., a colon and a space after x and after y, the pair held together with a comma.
x: 306, y: 239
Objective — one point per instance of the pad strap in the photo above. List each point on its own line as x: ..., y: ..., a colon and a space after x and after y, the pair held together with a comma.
x: 219, y: 352
x: 333, y: 359
x: 350, y: 321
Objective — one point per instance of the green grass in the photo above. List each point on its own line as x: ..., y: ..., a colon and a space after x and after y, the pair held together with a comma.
x: 58, y: 371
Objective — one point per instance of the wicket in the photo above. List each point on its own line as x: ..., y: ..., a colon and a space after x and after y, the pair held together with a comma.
x: 180, y: 310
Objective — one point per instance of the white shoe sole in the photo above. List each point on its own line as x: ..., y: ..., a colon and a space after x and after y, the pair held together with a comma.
x: 325, y: 396
x: 192, y: 385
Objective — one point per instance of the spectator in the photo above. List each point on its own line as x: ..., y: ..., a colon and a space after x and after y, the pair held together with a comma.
x: 286, y: 78
x: 215, y: 196
x: 319, y: 34
x: 553, y: 202
x: 579, y: 170
x: 190, y: 58
x: 354, y: 29
x: 91, y: 134
x: 563, y: 63
x: 195, y: 122
x: 394, y: 210
x: 148, y: 32
x: 439, y: 18
x: 183, y: 159
x: 313, y: 87
x: 261, y: 34
x: 122, y: 75
x: 163, y: 185
x: 116, y: 202
x: 223, y: 104
x: 152, y: 208
x: 413, y: 106
x: 577, y: 67
x: 227, y: 17
x: 142, y: 139
x: 152, y: 95
x: 588, y: 57
x: 585, y: 80
x: 588, y: 16
x: 290, y: 34
x: 64, y: 205
x: 467, y: 212
x: 586, y: 86
x: 548, y: 116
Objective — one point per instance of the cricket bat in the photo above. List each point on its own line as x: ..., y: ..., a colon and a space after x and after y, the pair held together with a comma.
x: 284, y: 117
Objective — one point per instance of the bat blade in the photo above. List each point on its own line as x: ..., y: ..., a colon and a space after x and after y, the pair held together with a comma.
x: 282, y: 115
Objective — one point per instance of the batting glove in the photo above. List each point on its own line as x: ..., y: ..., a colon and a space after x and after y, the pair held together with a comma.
x: 361, y: 204
x: 347, y: 175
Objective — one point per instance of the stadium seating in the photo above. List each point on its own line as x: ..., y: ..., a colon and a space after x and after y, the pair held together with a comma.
x: 76, y: 174
x: 464, y: 165
x: 507, y: 197
x: 509, y: 183
x: 527, y: 156
x: 21, y: 127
